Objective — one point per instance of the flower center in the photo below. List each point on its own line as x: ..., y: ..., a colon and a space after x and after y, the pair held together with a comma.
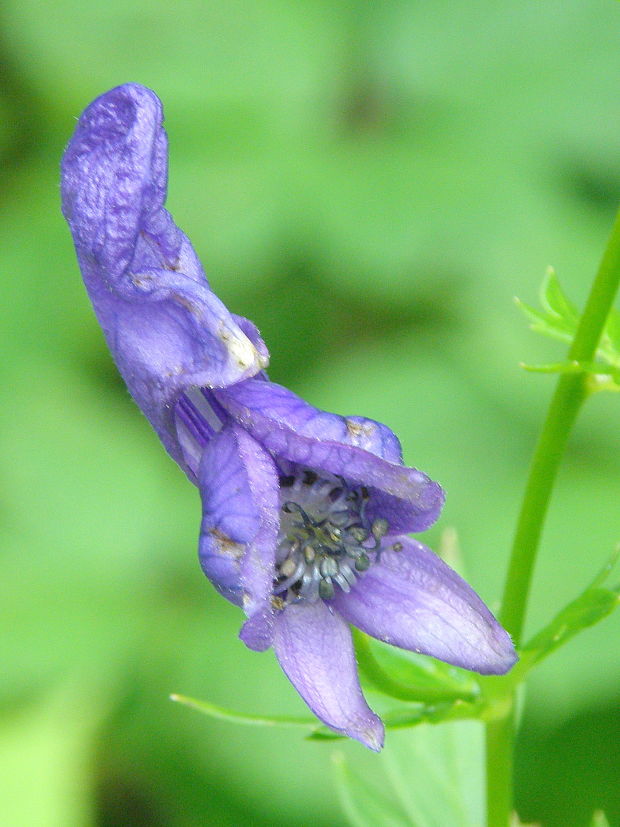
x: 325, y: 538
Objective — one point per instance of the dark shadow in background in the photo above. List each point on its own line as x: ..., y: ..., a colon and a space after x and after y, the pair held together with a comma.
x: 564, y: 774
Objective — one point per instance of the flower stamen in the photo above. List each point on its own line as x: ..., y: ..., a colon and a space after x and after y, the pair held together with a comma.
x: 326, y: 540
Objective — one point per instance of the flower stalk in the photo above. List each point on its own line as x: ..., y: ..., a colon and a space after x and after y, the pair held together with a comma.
x: 570, y: 393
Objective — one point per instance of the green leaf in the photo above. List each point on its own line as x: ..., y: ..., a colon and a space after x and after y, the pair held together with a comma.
x: 231, y: 715
x: 428, y: 778
x: 555, y: 301
x: 437, y: 774
x: 608, y: 567
x: 407, y: 717
x: 599, y: 819
x: 559, y: 319
x: 411, y: 677
x: 609, y: 346
x: 363, y: 804
x: 612, y: 329
x: 555, y: 367
x: 594, y: 604
x: 593, y: 368
x: 550, y: 325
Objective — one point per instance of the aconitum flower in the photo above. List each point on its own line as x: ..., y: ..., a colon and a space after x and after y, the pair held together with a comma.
x: 305, y: 513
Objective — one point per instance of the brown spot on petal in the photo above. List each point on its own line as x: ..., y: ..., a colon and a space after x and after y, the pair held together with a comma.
x: 225, y: 545
x: 360, y: 432
x: 186, y: 303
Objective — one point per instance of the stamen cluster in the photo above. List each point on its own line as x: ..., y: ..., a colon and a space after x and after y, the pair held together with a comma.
x: 325, y: 540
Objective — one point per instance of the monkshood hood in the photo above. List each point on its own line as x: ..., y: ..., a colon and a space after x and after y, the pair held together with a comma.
x: 305, y: 514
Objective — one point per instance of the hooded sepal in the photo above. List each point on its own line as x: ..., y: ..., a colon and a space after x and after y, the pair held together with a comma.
x: 165, y: 328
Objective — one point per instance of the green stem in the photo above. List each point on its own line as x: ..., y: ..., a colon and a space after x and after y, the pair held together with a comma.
x: 570, y: 392
x: 565, y: 403
x: 499, y: 742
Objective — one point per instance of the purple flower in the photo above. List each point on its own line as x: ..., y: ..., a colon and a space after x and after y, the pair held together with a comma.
x: 304, y: 512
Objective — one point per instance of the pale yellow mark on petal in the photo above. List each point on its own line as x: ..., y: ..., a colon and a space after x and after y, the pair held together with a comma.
x: 239, y: 347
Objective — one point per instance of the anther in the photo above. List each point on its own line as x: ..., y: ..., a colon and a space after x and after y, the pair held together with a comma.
x: 362, y: 563
x: 358, y: 534
x: 326, y: 589
x: 288, y: 567
x: 329, y: 567
x: 379, y: 527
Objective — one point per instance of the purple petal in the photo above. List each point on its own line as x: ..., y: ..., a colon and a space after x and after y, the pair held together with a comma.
x: 283, y: 406
x: 114, y: 179
x: 412, y: 599
x: 239, y: 490
x: 314, y: 648
x: 290, y: 428
x: 167, y: 331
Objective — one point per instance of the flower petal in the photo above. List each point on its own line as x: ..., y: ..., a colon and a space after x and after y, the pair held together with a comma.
x: 412, y: 599
x: 313, y: 645
x: 290, y: 428
x: 167, y: 331
x: 283, y: 406
x: 239, y: 490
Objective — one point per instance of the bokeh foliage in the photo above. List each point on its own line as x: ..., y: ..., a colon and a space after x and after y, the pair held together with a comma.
x: 371, y: 183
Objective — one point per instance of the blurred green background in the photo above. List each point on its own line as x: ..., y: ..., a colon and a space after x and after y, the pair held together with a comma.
x: 371, y: 183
